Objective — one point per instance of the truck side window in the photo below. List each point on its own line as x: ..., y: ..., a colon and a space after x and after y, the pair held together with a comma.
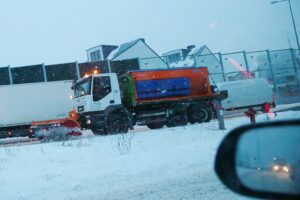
x: 101, y: 87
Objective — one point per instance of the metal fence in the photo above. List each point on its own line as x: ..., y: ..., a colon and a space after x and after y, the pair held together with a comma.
x: 281, y: 68
x: 64, y: 71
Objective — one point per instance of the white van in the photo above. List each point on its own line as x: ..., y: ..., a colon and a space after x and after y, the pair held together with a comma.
x: 247, y: 93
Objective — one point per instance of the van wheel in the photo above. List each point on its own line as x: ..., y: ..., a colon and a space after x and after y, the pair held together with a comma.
x: 155, y: 125
x: 201, y: 112
x: 178, y: 118
x: 117, y: 124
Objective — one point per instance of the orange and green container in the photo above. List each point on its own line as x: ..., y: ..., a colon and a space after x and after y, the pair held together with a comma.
x: 150, y: 86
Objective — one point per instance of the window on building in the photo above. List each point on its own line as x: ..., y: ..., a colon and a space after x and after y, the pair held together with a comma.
x: 96, y: 56
x: 174, y: 57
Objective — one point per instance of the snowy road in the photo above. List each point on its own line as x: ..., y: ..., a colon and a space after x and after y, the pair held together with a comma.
x: 171, y: 163
x: 268, y: 180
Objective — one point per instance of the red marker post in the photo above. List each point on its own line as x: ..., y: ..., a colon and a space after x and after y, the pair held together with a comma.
x: 251, y: 114
x: 220, y: 113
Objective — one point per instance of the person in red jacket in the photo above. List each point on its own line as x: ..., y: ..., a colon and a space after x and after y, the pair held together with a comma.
x: 251, y: 114
x: 267, y: 109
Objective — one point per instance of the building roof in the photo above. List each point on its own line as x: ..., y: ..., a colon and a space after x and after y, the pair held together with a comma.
x: 98, y: 46
x: 164, y: 54
x: 192, y: 56
x: 189, y: 60
x: 122, y: 48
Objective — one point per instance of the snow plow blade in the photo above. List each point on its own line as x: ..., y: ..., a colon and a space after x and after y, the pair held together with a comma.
x: 55, y: 129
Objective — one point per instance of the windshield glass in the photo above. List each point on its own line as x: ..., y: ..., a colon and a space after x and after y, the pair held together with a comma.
x: 83, y: 88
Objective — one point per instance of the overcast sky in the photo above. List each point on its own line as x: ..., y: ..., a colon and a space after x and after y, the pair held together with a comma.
x: 57, y: 31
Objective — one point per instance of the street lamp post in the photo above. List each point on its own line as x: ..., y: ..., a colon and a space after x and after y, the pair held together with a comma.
x: 274, y: 2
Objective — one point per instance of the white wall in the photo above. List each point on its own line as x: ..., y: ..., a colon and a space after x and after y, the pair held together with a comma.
x: 140, y: 50
x: 91, y: 50
x: 212, y: 63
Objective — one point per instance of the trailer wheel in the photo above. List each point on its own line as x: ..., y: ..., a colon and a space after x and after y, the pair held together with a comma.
x: 156, y: 125
x: 200, y: 113
x: 177, y: 118
x: 117, y: 123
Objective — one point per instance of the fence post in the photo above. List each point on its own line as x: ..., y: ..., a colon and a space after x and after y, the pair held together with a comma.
x: 293, y: 58
x: 246, y: 62
x: 195, y: 61
x: 167, y: 61
x: 77, y: 70
x: 222, y: 66
x: 295, y: 66
x: 109, y: 67
x: 10, y: 76
x: 44, y: 72
x: 272, y: 72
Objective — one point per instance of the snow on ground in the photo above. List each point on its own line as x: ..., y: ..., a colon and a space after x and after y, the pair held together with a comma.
x: 170, y: 163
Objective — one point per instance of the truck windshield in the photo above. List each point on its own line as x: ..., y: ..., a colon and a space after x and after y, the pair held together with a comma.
x: 83, y: 88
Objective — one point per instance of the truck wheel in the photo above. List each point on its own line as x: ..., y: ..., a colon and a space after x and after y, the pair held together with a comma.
x: 99, y: 131
x: 156, y: 125
x: 40, y: 137
x: 117, y: 124
x: 200, y: 113
x: 178, y: 118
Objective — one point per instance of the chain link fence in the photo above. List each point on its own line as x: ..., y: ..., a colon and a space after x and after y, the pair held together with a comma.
x: 281, y: 68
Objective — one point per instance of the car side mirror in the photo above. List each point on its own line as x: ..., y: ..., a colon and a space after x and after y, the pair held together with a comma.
x: 262, y: 160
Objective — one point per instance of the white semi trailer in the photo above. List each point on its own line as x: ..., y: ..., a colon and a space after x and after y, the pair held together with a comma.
x: 22, y: 104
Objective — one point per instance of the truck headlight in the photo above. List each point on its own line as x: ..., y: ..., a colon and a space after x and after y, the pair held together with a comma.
x: 275, y: 168
x: 88, y: 121
x: 286, y: 169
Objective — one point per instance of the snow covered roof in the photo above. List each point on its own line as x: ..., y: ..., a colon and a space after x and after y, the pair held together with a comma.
x: 122, y: 48
x: 196, y: 51
x: 189, y: 60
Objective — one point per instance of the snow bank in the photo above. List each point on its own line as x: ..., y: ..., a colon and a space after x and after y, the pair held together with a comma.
x: 170, y: 163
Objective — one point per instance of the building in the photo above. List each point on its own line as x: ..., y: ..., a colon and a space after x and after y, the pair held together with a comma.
x: 100, y: 52
x: 196, y: 56
x: 148, y: 58
x: 177, y: 55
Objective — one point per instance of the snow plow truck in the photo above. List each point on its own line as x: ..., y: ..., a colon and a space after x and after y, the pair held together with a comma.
x: 106, y: 103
